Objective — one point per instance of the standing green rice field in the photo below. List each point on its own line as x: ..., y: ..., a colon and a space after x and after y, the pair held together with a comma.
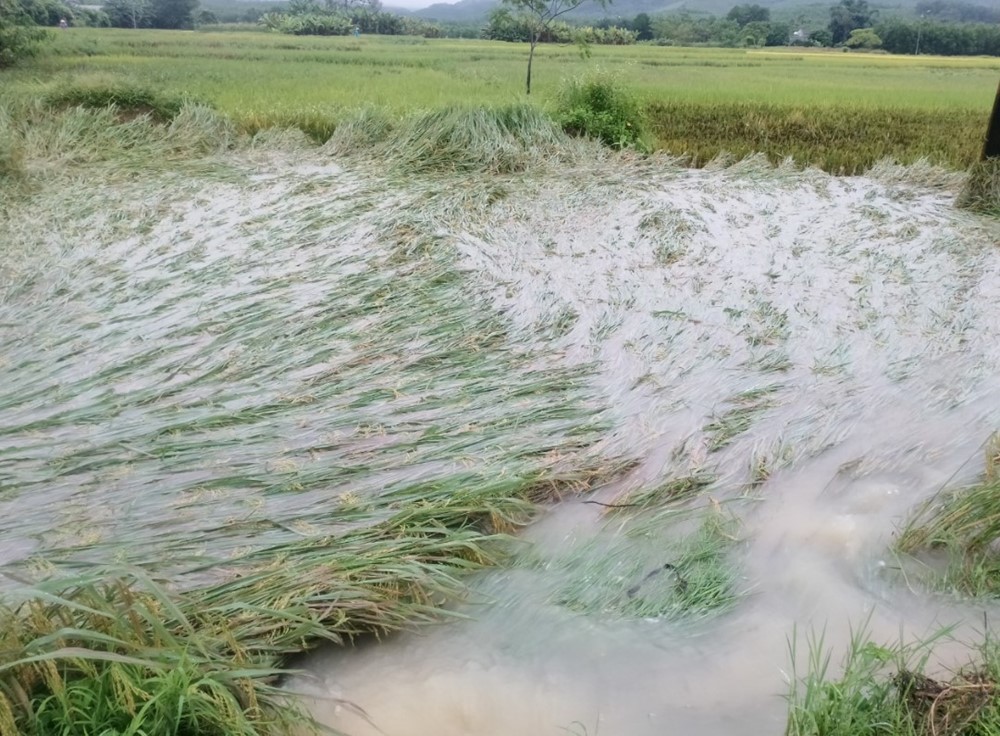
x: 840, y: 111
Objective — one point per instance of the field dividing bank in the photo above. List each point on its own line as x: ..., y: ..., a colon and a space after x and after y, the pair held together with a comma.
x: 839, y: 111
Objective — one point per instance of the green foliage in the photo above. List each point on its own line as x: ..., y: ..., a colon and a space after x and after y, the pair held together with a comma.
x: 847, y: 16
x: 168, y: 14
x: 129, y: 13
x: 48, y: 12
x: 643, y: 27
x: 18, y: 35
x: 863, y: 38
x: 958, y: 529
x: 173, y: 13
x: 308, y: 19
x: 862, y: 701
x: 883, y: 690
x: 539, y: 16
x: 946, y: 39
x: 504, y: 25
x: 599, y: 107
x: 743, y: 14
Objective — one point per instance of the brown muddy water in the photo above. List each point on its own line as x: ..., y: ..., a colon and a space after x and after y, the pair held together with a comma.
x: 824, y: 351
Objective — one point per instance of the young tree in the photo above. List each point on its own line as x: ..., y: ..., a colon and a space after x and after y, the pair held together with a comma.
x: 643, y: 27
x: 540, y: 14
x: 847, y: 16
x: 128, y: 13
x: 743, y: 14
x: 173, y: 13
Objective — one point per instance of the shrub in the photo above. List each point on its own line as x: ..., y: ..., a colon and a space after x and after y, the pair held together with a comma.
x: 599, y: 107
x: 18, y: 34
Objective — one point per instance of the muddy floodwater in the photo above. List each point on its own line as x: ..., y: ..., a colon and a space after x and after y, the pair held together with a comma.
x: 809, y: 356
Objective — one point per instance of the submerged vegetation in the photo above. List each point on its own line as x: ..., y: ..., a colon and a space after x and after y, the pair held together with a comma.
x: 954, y: 535
x: 674, y: 564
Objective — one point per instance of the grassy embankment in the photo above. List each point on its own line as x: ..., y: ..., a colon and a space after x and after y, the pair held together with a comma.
x: 839, y: 111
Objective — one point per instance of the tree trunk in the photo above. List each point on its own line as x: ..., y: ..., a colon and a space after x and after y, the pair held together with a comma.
x: 531, y: 56
x: 991, y: 148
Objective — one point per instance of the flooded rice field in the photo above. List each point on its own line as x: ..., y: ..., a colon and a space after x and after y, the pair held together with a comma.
x: 734, y: 385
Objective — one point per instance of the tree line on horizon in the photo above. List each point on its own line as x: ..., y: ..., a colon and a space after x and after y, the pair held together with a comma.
x: 944, y: 27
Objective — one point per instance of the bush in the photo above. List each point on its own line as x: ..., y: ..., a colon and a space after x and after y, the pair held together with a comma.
x: 18, y: 33
x: 599, y: 107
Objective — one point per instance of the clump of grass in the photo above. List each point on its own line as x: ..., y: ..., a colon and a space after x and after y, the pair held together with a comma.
x: 981, y: 192
x: 677, y: 489
x: 744, y: 409
x: 957, y: 533
x: 36, y: 138
x: 676, y: 566
x: 599, y: 107
x: 362, y: 129
x: 499, y: 140
x: 318, y: 125
x: 124, y: 655
x: 128, y: 100
x: 11, y: 149
x: 884, y: 690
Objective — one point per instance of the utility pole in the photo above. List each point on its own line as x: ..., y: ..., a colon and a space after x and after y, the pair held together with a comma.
x: 991, y: 148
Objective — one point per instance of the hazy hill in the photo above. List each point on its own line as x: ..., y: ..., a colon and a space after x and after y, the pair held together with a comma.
x: 472, y: 11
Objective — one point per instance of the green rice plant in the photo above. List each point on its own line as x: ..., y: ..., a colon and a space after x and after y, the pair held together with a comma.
x: 500, y: 140
x: 128, y: 100
x: 744, y: 409
x: 677, y: 565
x: 676, y: 489
x: 883, y: 689
x: 981, y: 191
x: 954, y: 536
x: 360, y: 130
x: 123, y: 655
x: 599, y: 107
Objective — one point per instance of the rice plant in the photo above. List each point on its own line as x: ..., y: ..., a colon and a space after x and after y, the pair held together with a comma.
x: 884, y: 689
x: 955, y: 533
